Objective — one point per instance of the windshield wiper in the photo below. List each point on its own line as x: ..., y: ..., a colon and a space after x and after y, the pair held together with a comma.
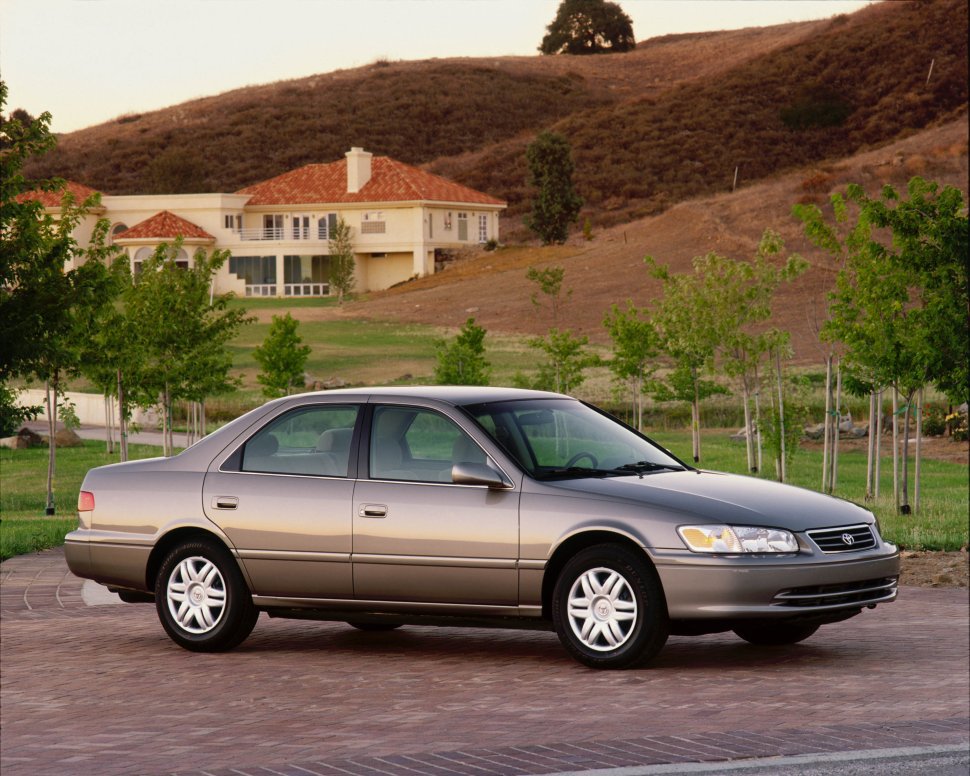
x: 579, y: 471
x: 647, y: 466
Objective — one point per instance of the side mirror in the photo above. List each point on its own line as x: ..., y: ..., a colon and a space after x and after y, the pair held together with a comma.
x: 478, y: 474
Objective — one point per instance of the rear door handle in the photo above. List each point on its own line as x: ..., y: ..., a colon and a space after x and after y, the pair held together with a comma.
x: 225, y: 502
x: 372, y: 510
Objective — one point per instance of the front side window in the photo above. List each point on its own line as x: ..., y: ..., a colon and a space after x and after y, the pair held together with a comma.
x: 553, y: 438
x: 418, y: 445
x: 308, y: 441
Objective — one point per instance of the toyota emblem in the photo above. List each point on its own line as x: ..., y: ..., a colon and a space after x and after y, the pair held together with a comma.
x: 848, y: 538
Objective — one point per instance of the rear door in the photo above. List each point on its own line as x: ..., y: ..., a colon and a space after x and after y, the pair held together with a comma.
x: 284, y: 499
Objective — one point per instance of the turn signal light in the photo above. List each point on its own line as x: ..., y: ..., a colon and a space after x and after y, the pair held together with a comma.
x: 85, y: 501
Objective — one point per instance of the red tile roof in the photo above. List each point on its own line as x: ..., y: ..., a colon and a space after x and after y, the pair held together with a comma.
x: 164, y: 226
x: 53, y: 199
x: 390, y: 181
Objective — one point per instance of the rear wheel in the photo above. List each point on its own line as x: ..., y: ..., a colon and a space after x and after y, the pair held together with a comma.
x: 608, y: 608
x: 201, y: 598
x: 767, y: 633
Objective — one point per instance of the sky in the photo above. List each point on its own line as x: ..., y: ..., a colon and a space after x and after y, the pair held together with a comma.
x: 90, y: 61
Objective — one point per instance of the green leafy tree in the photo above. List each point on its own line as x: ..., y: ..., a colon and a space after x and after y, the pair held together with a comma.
x: 462, y: 361
x: 549, y: 280
x: 634, y: 350
x: 342, y: 263
x: 689, y: 328
x: 282, y: 358
x: 180, y: 336
x: 588, y: 27
x: 566, y: 359
x: 556, y: 204
x: 900, y: 310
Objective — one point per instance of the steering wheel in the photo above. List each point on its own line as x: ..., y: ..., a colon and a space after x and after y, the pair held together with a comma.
x: 580, y: 456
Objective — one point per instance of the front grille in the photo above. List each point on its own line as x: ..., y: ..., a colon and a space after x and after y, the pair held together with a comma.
x: 869, y: 591
x: 850, y: 538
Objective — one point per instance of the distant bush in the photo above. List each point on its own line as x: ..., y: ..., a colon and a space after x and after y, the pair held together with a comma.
x: 816, y: 106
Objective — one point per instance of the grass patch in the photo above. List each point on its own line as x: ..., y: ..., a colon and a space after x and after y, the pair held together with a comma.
x: 18, y: 537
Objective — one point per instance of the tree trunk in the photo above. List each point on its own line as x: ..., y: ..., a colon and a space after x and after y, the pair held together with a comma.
x: 896, y: 446
x: 919, y: 450
x: 833, y: 480
x: 748, y: 436
x: 827, y: 433
x: 904, y: 508
x: 109, y: 439
x: 781, y: 416
x: 871, y: 446
x: 696, y: 420
x: 757, y: 426
x: 51, y: 444
x: 878, y: 472
x: 122, y: 421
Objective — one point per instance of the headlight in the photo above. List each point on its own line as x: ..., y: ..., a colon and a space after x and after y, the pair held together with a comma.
x: 737, y: 539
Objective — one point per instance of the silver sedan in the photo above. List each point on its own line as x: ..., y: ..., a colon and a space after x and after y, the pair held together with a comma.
x: 485, y: 506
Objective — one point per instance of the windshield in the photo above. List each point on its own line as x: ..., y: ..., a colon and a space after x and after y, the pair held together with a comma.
x: 554, y: 438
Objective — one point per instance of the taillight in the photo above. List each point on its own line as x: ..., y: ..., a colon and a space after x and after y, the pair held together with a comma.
x: 85, y: 501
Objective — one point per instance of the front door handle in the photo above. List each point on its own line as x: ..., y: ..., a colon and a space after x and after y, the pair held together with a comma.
x: 225, y: 502
x: 372, y: 510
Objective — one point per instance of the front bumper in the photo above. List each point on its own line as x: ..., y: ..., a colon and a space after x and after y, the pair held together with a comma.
x: 735, y: 587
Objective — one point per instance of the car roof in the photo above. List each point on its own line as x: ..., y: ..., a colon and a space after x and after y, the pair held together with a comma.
x: 451, y: 394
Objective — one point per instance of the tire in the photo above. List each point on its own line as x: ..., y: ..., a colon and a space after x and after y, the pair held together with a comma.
x: 201, y: 598
x: 374, y: 627
x: 608, y: 608
x: 769, y: 633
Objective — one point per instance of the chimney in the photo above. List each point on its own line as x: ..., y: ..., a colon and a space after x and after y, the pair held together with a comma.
x: 358, y: 169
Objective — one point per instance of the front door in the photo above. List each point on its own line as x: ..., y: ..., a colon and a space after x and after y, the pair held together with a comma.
x: 418, y: 536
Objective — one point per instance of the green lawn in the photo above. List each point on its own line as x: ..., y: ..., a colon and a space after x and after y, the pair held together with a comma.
x: 940, y: 525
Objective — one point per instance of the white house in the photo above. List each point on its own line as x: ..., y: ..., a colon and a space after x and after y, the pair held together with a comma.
x: 277, y: 231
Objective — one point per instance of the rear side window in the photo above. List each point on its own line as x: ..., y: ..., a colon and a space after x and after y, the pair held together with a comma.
x: 307, y: 441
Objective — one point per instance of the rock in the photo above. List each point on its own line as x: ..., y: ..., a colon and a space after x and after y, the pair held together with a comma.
x: 29, y: 439
x: 815, y: 432
x: 740, y: 436
x: 11, y: 443
x: 858, y: 432
x: 67, y: 438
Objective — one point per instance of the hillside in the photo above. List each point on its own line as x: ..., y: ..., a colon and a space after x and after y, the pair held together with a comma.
x: 650, y: 128
x: 609, y: 269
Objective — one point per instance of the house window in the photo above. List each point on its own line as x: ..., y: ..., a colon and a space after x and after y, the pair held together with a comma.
x: 301, y: 227
x: 447, y: 222
x: 431, y: 224
x: 115, y: 231
x: 463, y: 226
x: 233, y: 222
x: 483, y: 229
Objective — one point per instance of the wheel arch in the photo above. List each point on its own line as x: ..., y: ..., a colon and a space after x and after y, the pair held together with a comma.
x: 179, y: 536
x: 577, y: 543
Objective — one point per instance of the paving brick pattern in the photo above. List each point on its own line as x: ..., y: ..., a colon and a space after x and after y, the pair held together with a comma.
x: 101, y: 690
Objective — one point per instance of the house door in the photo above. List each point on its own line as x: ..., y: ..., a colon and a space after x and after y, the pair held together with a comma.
x: 301, y: 227
x: 273, y: 226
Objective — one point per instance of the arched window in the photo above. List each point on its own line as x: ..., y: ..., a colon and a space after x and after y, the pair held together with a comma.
x: 115, y: 231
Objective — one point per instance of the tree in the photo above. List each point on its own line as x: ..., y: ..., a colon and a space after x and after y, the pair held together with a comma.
x: 634, y: 350
x: 556, y: 204
x: 566, y: 360
x: 462, y: 362
x: 900, y: 310
x: 689, y: 328
x: 180, y: 336
x: 282, y: 358
x: 588, y: 27
x: 341, y: 260
x: 549, y: 281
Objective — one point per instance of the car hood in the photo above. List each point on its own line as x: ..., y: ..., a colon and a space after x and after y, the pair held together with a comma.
x: 725, y: 498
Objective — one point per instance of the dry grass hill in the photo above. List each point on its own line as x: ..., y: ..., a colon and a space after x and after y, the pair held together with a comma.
x: 657, y: 134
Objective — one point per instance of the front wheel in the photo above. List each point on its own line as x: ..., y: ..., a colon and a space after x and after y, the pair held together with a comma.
x: 767, y: 633
x: 608, y: 608
x: 201, y: 598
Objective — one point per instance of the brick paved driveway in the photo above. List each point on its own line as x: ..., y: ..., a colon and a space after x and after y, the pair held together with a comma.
x: 101, y: 690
